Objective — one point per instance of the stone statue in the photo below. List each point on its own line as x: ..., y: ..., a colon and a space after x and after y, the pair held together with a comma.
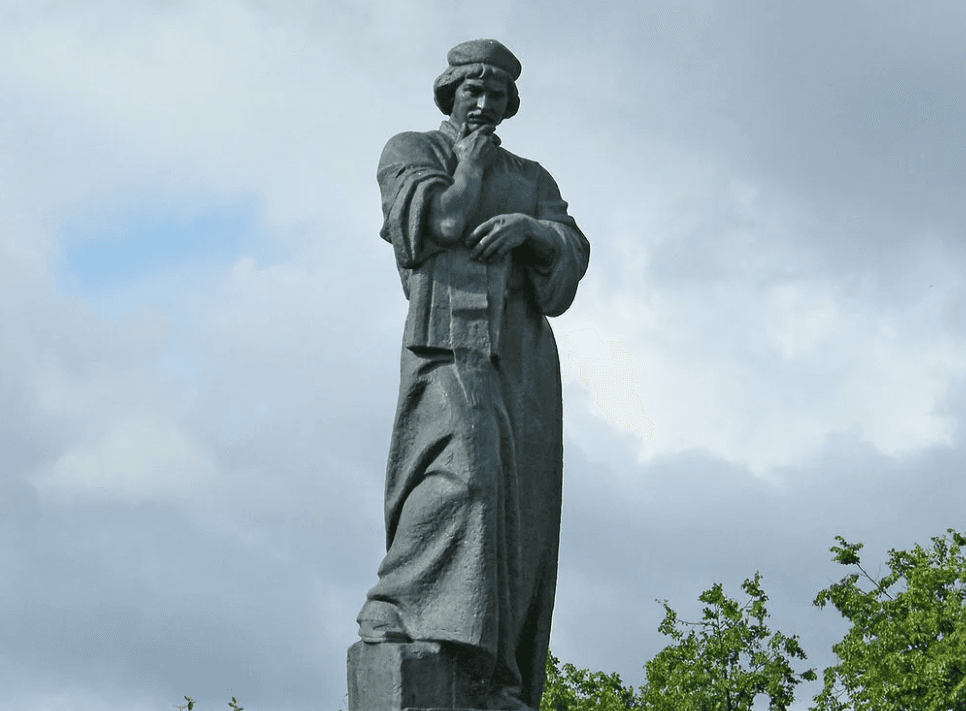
x: 486, y: 252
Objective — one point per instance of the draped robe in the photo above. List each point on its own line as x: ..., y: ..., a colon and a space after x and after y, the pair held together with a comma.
x: 474, y: 477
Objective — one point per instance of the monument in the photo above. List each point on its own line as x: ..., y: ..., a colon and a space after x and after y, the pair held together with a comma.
x: 460, y: 616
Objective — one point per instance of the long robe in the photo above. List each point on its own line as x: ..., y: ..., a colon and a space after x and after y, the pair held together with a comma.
x: 474, y: 477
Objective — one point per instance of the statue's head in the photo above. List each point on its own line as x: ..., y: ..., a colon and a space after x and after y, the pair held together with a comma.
x: 485, y: 60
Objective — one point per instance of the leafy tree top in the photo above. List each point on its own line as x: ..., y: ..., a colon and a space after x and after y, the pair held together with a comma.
x: 726, y: 660
x: 906, y: 649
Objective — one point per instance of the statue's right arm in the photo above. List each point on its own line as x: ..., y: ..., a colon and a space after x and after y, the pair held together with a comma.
x: 451, y: 208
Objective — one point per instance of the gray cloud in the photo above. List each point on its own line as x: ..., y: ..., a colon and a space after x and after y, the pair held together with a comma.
x: 672, y: 528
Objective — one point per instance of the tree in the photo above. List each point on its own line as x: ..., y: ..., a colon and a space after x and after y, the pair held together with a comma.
x: 725, y: 661
x: 906, y: 649
x: 569, y: 688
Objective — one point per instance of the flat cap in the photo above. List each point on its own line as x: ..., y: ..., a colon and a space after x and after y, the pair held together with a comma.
x: 485, y: 51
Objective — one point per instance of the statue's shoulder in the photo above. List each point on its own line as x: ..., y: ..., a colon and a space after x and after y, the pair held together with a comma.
x: 413, y: 146
x: 523, y: 165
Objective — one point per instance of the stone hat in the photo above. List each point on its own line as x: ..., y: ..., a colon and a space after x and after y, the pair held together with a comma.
x: 485, y: 51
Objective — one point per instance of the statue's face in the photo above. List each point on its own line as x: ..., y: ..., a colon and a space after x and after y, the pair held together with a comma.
x: 479, y: 102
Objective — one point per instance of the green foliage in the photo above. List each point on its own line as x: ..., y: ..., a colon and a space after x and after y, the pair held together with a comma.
x: 571, y: 689
x: 725, y: 661
x: 722, y: 663
x: 906, y: 649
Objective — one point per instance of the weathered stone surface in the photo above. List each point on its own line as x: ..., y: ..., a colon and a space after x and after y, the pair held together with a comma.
x: 414, y: 676
x: 486, y: 251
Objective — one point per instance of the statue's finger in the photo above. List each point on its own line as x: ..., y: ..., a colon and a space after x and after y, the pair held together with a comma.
x: 478, y: 232
x: 489, y: 224
x: 491, y: 247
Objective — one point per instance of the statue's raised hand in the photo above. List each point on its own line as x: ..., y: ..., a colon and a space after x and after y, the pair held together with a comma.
x: 476, y: 147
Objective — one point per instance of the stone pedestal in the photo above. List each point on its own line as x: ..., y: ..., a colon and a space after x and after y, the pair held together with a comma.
x: 415, y: 676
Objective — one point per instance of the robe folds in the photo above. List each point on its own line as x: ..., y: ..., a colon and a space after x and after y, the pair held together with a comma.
x: 474, y: 476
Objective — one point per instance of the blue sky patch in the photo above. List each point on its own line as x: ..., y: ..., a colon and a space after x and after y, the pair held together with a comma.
x: 110, y: 250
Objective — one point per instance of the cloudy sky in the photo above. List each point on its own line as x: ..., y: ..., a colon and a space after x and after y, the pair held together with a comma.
x: 200, y: 327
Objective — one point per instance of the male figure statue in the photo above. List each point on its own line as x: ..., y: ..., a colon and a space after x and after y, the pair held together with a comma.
x: 486, y: 251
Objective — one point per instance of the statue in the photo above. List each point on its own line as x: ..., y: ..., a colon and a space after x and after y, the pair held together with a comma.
x: 486, y: 251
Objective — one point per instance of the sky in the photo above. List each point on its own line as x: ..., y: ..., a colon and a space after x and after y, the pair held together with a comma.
x: 200, y: 326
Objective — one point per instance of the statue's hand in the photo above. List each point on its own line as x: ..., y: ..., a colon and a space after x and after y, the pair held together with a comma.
x: 476, y: 147
x: 498, y: 235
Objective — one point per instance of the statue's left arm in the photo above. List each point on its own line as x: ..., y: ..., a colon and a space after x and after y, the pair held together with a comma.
x: 548, y: 242
x: 557, y: 252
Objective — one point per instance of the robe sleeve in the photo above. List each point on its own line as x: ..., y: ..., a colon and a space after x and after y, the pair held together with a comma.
x: 555, y: 283
x: 410, y: 171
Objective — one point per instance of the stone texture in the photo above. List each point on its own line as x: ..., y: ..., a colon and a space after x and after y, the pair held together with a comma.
x: 486, y: 251
x: 414, y: 676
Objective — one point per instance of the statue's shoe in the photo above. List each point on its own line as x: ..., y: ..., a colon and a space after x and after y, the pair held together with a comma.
x: 380, y: 622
